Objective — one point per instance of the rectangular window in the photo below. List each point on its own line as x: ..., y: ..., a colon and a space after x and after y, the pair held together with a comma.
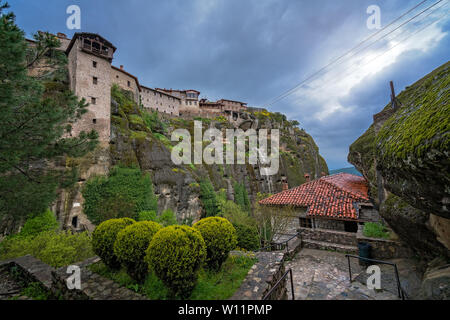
x: 129, y: 83
x: 94, y: 80
x: 94, y: 121
x: 305, y: 223
x: 94, y: 64
x: 93, y: 100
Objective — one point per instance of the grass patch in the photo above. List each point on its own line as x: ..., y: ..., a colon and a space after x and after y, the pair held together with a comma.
x: 376, y: 230
x: 219, y: 285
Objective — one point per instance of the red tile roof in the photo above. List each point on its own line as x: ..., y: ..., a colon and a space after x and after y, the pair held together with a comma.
x: 331, y: 197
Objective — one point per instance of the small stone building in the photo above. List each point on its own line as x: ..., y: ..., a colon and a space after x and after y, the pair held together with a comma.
x: 339, y: 203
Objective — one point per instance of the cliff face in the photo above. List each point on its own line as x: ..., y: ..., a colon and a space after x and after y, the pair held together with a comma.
x: 177, y: 187
x: 135, y: 142
x: 405, y: 157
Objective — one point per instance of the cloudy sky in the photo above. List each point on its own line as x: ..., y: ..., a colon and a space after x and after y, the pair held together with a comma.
x: 256, y: 50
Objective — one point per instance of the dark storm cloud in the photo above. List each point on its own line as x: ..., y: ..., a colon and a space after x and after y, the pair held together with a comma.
x: 250, y: 50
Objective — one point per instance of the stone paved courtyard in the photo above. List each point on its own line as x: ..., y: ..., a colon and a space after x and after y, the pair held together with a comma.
x: 323, y: 275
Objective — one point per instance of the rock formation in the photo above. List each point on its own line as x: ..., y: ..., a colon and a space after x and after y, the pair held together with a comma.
x: 405, y: 157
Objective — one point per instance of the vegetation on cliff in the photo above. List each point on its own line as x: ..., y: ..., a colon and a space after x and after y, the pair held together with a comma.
x: 408, y: 156
x: 124, y: 193
x: 36, y: 112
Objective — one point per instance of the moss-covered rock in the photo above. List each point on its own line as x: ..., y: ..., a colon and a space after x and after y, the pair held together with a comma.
x: 412, y: 147
x: 405, y: 157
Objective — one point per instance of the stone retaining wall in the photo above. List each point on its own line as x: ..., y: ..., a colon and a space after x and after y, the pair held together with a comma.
x: 383, y: 249
x: 262, y: 277
x: 93, y: 286
x: 338, y: 237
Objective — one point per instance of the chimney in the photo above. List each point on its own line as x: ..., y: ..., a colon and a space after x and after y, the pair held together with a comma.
x: 307, y: 178
x: 323, y: 174
x: 61, y: 35
x: 285, y: 186
x: 121, y: 67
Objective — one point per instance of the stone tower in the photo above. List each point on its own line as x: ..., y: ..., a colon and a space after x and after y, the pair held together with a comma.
x: 90, y: 57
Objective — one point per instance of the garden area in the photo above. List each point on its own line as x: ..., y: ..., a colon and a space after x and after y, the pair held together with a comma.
x: 173, y: 262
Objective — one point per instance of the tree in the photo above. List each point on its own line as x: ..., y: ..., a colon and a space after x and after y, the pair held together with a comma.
x: 37, y: 113
x: 208, y: 198
x: 241, y: 196
x: 271, y: 221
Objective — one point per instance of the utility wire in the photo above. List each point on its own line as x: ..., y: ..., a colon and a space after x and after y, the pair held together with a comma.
x: 340, y: 77
x: 287, y: 93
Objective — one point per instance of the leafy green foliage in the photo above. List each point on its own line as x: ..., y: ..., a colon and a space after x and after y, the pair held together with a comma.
x: 124, y: 193
x: 208, y: 198
x: 148, y: 216
x: 220, y: 238
x: 35, y: 114
x: 376, y: 230
x: 222, y: 284
x: 211, y: 285
x: 36, y: 291
x: 241, y: 196
x: 130, y: 247
x: 153, y: 122
x: 167, y: 217
x: 247, y: 237
x: 104, y: 237
x: 55, y: 249
x: 176, y: 254
x: 41, y: 223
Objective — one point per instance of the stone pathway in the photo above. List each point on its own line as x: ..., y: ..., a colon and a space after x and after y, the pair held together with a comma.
x: 264, y: 273
x: 93, y: 285
x: 323, y: 275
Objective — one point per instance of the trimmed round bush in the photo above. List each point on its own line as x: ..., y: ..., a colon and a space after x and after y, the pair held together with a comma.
x: 103, y: 239
x: 247, y: 237
x: 131, y: 245
x: 175, y: 254
x: 220, y: 238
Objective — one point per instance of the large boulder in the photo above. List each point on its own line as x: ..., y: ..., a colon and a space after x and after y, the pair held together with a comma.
x: 405, y: 157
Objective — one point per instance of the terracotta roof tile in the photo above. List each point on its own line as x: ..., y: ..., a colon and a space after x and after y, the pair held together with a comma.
x: 332, y: 196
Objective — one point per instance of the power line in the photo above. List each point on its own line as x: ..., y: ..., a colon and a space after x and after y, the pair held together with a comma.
x: 340, y: 77
x: 287, y: 93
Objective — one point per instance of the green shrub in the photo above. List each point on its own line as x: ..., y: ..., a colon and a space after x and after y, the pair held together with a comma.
x: 376, y: 230
x: 41, y: 223
x: 103, y: 239
x: 124, y: 193
x: 247, y: 237
x: 130, y: 247
x: 55, y: 249
x: 168, y: 218
x: 175, y: 255
x: 220, y: 238
x: 147, y: 216
x: 208, y: 198
x: 153, y: 122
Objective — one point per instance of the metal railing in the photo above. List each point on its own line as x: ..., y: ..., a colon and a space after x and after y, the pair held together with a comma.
x: 266, y: 297
x: 401, y: 293
x: 279, y: 245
